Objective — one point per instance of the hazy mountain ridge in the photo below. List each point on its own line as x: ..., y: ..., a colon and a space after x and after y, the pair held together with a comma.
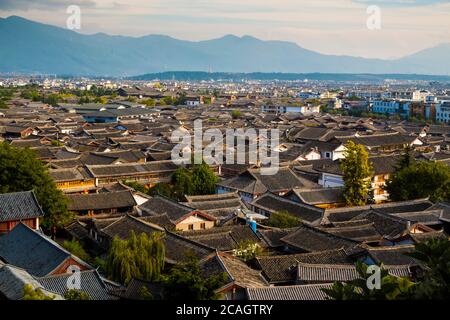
x: 30, y: 47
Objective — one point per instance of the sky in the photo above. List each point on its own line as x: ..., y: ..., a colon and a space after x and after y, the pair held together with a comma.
x: 327, y: 26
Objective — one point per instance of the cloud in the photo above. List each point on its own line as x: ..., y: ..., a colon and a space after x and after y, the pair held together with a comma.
x: 11, y: 5
x: 402, y: 3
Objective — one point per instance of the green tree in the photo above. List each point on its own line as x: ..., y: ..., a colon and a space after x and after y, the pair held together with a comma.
x: 181, y: 99
x: 391, y: 287
x: 357, y: 175
x: 187, y: 282
x: 73, y: 294
x: 52, y: 99
x: 203, y: 179
x: 30, y: 293
x: 420, y: 180
x: 435, y: 257
x: 149, y: 102
x: 137, y: 257
x: 162, y: 189
x: 236, y: 114
x: 168, y: 101
x: 283, y: 219
x: 433, y: 283
x: 20, y: 170
x: 136, y: 186
x: 76, y: 249
x: 182, y: 183
x: 407, y: 159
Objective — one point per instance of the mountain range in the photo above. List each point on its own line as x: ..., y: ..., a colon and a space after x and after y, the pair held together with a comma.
x: 31, y: 47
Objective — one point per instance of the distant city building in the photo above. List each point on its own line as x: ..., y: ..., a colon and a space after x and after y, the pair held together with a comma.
x: 279, y: 109
x: 391, y: 107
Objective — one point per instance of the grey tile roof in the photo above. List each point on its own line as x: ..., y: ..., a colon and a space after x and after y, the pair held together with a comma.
x: 273, y: 203
x: 223, y: 238
x: 91, y: 283
x: 29, y: 249
x: 346, y: 214
x: 273, y: 236
x: 253, y: 182
x: 19, y: 206
x: 241, y: 274
x: 109, y: 200
x: 309, y: 239
x: 14, y: 279
x: 282, y: 269
x: 320, y: 196
x: 297, y: 293
x: 100, y: 171
x: 315, y: 273
x: 159, y: 205
x: 366, y: 232
x: 393, y: 255
x: 383, y: 139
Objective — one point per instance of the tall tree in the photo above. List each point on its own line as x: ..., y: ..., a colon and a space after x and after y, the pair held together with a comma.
x: 435, y: 257
x: 182, y: 183
x: 203, y: 179
x: 186, y: 281
x: 407, y: 159
x: 420, y: 180
x: 357, y: 175
x: 137, y: 257
x: 20, y: 170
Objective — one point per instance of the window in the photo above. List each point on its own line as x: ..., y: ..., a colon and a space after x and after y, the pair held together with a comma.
x: 203, y: 225
x: 191, y: 227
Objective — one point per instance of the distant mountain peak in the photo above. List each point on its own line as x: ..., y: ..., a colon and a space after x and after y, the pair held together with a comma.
x: 34, y: 47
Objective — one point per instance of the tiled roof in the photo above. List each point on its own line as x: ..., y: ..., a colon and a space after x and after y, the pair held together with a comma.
x: 282, y: 269
x: 91, y: 283
x: 358, y: 233
x: 62, y: 175
x: 19, y: 206
x: 273, y: 203
x: 223, y: 238
x: 310, y: 239
x: 273, y: 236
x: 393, y: 255
x: 13, y: 280
x: 160, y: 205
x: 253, y: 182
x: 121, y: 199
x: 346, y: 214
x: 320, y: 196
x: 241, y: 275
x: 302, y: 292
x: 99, y: 171
x: 28, y: 249
x: 315, y: 273
x: 377, y: 140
